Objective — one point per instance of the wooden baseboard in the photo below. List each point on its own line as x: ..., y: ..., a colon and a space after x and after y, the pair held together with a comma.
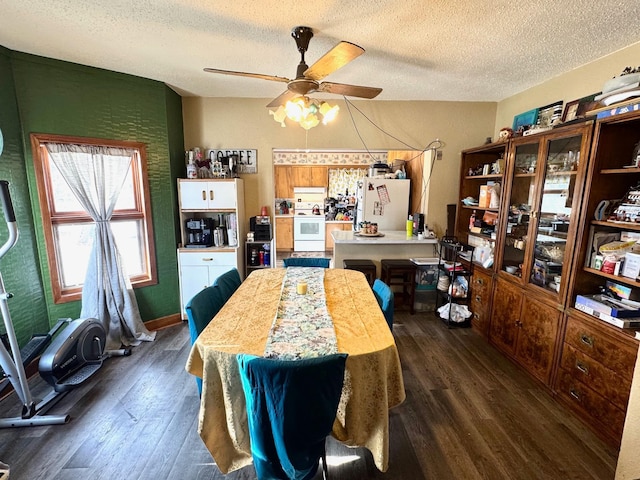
x: 164, y: 322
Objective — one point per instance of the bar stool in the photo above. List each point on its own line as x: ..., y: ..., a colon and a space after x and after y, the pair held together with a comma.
x: 365, y: 266
x: 403, y: 273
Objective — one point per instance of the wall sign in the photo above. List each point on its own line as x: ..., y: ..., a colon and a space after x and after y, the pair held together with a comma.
x: 246, y: 160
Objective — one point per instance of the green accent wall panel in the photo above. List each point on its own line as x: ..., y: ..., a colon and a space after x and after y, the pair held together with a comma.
x: 19, y: 267
x: 64, y: 98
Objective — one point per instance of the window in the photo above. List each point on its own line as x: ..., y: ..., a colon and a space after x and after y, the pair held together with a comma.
x: 69, y: 229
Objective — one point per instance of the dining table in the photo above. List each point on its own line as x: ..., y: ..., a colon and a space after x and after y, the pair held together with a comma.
x: 338, y: 313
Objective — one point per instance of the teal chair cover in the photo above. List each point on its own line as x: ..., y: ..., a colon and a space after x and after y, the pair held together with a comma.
x: 291, y: 407
x: 200, y: 310
x: 306, y: 262
x: 384, y: 296
x: 228, y: 282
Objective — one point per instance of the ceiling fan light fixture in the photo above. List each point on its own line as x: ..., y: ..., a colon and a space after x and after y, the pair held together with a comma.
x: 328, y: 112
x: 310, y: 121
x: 296, y: 109
x: 279, y: 115
x: 305, y: 112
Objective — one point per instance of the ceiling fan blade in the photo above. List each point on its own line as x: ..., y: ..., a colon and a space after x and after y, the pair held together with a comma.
x: 282, y: 98
x: 251, y: 75
x: 335, y: 58
x: 349, y: 90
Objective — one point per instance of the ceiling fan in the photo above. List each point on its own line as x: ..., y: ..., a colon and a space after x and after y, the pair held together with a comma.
x: 308, y: 78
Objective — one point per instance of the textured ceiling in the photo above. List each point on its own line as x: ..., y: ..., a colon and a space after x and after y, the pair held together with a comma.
x: 465, y: 50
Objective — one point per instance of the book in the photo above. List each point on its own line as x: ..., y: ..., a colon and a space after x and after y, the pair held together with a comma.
x: 615, y: 321
x: 609, y: 306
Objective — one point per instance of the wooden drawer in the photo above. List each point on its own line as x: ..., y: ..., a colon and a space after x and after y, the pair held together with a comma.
x: 480, y: 304
x: 596, y: 376
x: 606, y: 349
x: 481, y: 286
x: 208, y: 258
x: 606, y: 415
x: 480, y: 316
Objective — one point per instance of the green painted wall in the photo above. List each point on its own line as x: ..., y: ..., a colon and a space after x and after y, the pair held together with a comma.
x: 20, y: 267
x: 51, y: 96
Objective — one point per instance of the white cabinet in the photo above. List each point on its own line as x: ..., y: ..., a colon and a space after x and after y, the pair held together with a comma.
x: 199, y: 270
x: 207, y: 194
x: 217, y: 203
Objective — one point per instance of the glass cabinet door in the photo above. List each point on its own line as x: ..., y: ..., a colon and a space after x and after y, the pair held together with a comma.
x: 520, y: 207
x: 553, y: 213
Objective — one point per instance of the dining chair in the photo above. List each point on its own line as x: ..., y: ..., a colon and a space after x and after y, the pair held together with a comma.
x: 291, y: 407
x: 200, y: 310
x: 228, y: 282
x: 384, y: 296
x: 306, y: 262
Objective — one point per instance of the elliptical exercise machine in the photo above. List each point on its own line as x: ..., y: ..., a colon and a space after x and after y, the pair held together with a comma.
x: 66, y: 360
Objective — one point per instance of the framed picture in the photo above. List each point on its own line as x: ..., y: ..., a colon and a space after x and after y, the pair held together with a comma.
x: 549, y: 115
x: 578, y: 109
x: 525, y: 120
x: 570, y: 111
x: 587, y: 104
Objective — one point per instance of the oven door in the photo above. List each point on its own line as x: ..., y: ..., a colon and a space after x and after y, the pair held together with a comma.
x: 308, y: 233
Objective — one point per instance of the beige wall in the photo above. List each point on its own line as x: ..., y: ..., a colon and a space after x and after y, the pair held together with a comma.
x: 246, y: 123
x: 578, y: 83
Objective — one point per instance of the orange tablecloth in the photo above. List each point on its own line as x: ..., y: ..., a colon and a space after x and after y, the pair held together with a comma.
x: 373, y: 379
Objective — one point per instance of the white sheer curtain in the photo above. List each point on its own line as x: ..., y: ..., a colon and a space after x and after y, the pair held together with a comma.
x: 96, y: 175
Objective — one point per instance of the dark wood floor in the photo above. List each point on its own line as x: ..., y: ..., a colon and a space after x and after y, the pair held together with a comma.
x: 469, y: 414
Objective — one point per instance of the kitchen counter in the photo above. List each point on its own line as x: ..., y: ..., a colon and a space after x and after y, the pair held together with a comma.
x: 394, y: 244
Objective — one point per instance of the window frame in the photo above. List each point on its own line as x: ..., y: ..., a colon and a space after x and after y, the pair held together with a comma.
x: 50, y: 218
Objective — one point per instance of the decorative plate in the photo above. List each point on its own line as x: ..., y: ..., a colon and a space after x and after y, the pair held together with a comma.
x: 369, y: 234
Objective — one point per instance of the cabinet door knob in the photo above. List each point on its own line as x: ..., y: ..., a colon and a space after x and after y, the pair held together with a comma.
x: 478, y: 298
x: 587, y: 340
x: 479, y: 281
x: 582, y: 367
x: 204, y: 195
x: 210, y: 194
x: 208, y: 259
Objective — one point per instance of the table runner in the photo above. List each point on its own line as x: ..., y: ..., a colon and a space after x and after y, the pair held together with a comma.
x: 302, y: 327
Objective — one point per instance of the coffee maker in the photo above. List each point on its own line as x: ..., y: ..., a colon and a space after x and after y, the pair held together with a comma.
x: 199, y: 232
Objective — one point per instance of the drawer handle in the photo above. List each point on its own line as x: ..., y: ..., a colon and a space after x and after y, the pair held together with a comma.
x: 582, y: 367
x: 575, y: 394
x: 204, y: 195
x: 210, y: 194
x: 208, y: 259
x: 587, y: 340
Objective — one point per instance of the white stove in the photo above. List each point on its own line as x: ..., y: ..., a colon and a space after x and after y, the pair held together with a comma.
x: 308, y: 220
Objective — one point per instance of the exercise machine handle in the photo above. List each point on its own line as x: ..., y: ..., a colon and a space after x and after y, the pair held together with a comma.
x: 7, y: 205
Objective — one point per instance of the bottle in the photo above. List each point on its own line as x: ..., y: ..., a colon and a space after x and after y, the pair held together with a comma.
x: 267, y: 255
x: 410, y: 226
x: 192, y: 170
x: 472, y: 220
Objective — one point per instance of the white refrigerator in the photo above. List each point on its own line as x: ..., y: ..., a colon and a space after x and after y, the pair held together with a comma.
x: 383, y: 201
